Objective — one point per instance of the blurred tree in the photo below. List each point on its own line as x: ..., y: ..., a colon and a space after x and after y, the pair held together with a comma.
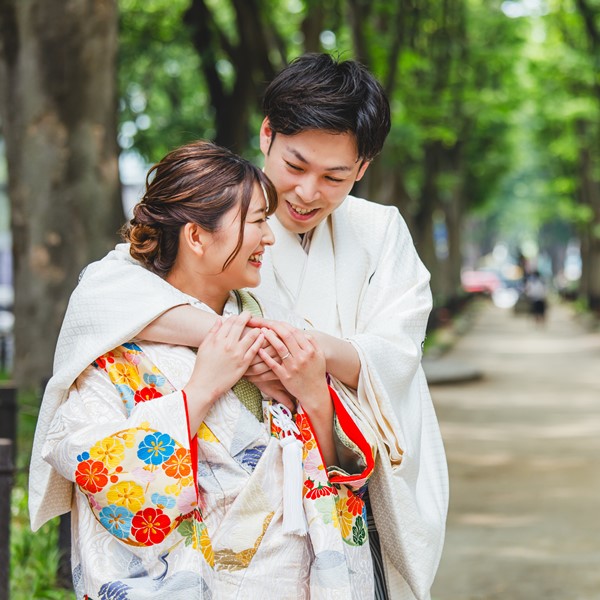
x: 448, y: 68
x: 565, y: 61
x: 58, y: 103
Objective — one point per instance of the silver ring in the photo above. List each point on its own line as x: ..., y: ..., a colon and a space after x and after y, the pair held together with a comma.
x: 284, y: 357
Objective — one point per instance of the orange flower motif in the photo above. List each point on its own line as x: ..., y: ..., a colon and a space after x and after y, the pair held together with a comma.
x: 179, y: 465
x: 91, y: 475
x: 355, y: 504
x: 304, y: 427
x: 306, y: 434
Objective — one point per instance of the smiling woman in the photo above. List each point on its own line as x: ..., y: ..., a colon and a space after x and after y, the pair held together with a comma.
x: 187, y: 480
x: 202, y: 222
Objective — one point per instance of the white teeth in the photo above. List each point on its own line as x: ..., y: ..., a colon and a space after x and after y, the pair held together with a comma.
x: 301, y: 211
x: 256, y: 258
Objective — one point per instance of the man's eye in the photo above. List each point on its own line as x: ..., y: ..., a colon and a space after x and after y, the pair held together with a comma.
x: 334, y: 180
x: 291, y: 166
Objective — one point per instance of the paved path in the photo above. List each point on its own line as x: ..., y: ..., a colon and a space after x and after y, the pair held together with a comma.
x: 523, y: 447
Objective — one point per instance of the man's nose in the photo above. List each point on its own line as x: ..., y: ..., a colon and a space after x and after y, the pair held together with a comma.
x: 307, y: 190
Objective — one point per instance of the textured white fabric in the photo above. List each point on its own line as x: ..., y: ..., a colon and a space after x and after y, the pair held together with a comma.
x: 94, y: 324
x: 364, y: 264
x: 382, y: 295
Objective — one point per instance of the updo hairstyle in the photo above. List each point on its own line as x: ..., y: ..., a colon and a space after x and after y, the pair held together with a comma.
x: 196, y: 183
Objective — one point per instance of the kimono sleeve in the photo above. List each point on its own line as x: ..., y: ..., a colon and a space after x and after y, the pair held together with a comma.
x: 136, y: 471
x: 355, y: 445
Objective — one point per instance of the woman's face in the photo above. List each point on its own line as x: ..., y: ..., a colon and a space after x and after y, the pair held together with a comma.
x: 244, y: 270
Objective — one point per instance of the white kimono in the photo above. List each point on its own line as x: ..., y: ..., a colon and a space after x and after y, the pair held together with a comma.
x: 362, y: 280
x: 159, y: 514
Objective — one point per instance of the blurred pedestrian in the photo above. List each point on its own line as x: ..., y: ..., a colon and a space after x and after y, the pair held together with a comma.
x: 536, y: 292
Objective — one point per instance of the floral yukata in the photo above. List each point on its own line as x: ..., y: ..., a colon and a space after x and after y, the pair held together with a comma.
x: 156, y: 514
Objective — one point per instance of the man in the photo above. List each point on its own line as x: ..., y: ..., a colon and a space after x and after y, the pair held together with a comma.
x: 349, y: 267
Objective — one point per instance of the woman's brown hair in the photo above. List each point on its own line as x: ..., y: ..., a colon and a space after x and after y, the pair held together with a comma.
x: 196, y: 183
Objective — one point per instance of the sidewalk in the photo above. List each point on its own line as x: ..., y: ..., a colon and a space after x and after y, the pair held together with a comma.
x: 523, y: 446
x: 439, y: 366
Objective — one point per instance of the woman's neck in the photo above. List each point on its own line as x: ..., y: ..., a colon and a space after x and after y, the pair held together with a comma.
x: 200, y: 287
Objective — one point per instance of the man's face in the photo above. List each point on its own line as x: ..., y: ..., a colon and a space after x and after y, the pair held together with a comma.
x: 313, y: 172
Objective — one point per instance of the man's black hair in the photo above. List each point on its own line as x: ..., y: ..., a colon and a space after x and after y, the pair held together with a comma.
x: 317, y: 91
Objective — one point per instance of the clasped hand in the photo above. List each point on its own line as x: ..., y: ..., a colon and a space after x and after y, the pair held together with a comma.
x: 284, y: 362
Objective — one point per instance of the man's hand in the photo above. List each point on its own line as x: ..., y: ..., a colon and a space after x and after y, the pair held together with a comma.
x: 300, y: 364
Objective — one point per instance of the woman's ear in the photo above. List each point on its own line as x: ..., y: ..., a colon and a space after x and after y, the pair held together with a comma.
x: 192, y: 236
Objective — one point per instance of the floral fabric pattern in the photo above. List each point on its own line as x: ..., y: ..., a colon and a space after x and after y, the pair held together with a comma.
x: 206, y: 513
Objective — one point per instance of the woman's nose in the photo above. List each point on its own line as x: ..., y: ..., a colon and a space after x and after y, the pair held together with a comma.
x: 268, y: 236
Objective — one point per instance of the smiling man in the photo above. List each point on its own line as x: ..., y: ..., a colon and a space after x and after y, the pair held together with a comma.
x: 349, y: 267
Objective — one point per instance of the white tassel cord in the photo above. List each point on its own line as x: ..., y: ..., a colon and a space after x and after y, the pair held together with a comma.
x: 294, y: 521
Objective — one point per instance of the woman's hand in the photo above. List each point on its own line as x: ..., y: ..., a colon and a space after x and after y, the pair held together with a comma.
x: 299, y: 363
x: 222, y: 359
x: 301, y: 369
x: 259, y: 372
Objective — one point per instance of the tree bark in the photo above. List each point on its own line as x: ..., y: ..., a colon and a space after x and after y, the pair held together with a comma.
x: 59, y: 110
x: 590, y: 242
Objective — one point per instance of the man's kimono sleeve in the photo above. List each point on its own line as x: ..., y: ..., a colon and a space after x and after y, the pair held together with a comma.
x: 138, y: 471
x: 355, y: 445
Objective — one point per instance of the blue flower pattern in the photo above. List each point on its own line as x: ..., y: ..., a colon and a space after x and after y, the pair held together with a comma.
x: 116, y: 520
x: 156, y: 448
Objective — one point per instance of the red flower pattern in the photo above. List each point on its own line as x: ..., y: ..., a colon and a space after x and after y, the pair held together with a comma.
x: 318, y: 492
x: 103, y: 360
x: 145, y: 394
x: 150, y: 526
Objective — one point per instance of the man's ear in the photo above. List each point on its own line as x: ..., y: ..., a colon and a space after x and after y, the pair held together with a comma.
x: 193, y: 237
x: 362, y: 169
x: 266, y: 136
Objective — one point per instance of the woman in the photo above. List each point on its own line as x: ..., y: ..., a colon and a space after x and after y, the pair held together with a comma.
x: 180, y: 488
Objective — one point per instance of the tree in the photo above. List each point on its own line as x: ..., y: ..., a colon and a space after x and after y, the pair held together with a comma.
x: 58, y: 102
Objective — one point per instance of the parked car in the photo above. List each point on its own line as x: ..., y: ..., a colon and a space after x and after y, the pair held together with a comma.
x: 483, y: 281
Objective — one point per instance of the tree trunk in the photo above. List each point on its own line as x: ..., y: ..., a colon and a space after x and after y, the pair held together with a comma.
x: 250, y: 58
x: 590, y: 243
x: 58, y: 102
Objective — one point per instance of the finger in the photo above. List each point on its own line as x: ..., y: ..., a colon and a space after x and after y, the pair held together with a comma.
x: 227, y: 324
x: 258, y: 322
x: 281, y: 349
x: 257, y: 367
x: 212, y: 332
x: 267, y: 376
x: 255, y: 347
x: 310, y: 341
x: 238, y: 325
x: 250, y: 339
x: 290, y: 336
x: 271, y: 362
